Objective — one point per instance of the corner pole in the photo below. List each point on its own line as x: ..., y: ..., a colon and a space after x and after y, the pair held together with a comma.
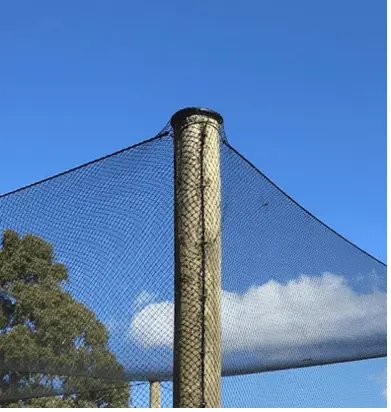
x: 197, y: 332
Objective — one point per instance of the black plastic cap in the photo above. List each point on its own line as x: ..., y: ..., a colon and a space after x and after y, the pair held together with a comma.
x: 178, y: 118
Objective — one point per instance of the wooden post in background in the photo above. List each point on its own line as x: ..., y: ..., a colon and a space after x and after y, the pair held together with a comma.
x: 154, y: 394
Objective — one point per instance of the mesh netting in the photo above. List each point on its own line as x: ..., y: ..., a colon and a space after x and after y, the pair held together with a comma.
x: 87, y: 282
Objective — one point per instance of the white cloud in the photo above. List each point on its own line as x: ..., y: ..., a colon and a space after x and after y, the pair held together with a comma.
x: 381, y: 378
x: 144, y: 298
x: 304, y: 311
x: 385, y: 392
x: 154, y: 325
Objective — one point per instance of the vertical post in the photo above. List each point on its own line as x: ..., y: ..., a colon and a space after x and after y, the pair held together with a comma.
x: 154, y: 394
x: 197, y: 332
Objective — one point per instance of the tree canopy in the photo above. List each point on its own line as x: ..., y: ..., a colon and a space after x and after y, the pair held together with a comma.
x: 49, y: 342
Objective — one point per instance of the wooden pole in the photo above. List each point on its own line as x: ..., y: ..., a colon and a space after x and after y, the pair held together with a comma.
x: 154, y: 394
x: 197, y: 337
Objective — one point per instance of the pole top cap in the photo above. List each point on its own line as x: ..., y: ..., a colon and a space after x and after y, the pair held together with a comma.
x: 182, y: 114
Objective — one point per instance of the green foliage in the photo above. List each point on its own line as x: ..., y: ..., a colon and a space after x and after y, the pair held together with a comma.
x: 49, y: 342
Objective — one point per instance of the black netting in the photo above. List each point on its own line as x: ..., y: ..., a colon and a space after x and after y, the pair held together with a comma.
x: 87, y: 283
x: 305, y: 295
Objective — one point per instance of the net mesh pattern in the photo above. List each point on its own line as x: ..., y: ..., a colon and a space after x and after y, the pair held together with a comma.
x: 87, y: 283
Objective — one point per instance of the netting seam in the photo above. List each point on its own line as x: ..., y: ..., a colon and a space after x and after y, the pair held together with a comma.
x: 177, y: 331
x: 54, y: 394
x: 72, y: 374
x: 244, y: 372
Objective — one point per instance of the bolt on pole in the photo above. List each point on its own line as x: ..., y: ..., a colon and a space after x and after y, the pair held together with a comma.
x: 197, y: 331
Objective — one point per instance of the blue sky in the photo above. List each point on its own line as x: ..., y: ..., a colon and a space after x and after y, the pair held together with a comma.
x: 301, y: 86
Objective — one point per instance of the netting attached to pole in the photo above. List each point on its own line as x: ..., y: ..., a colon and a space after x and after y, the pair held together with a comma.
x: 87, y: 282
x: 197, y: 333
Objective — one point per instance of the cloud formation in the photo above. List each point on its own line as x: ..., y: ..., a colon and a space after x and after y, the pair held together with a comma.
x: 143, y: 299
x: 384, y: 393
x: 306, y: 321
x: 381, y: 378
x: 275, y: 316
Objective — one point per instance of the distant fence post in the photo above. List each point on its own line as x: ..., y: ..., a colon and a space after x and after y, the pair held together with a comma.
x: 154, y: 394
x: 197, y: 336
